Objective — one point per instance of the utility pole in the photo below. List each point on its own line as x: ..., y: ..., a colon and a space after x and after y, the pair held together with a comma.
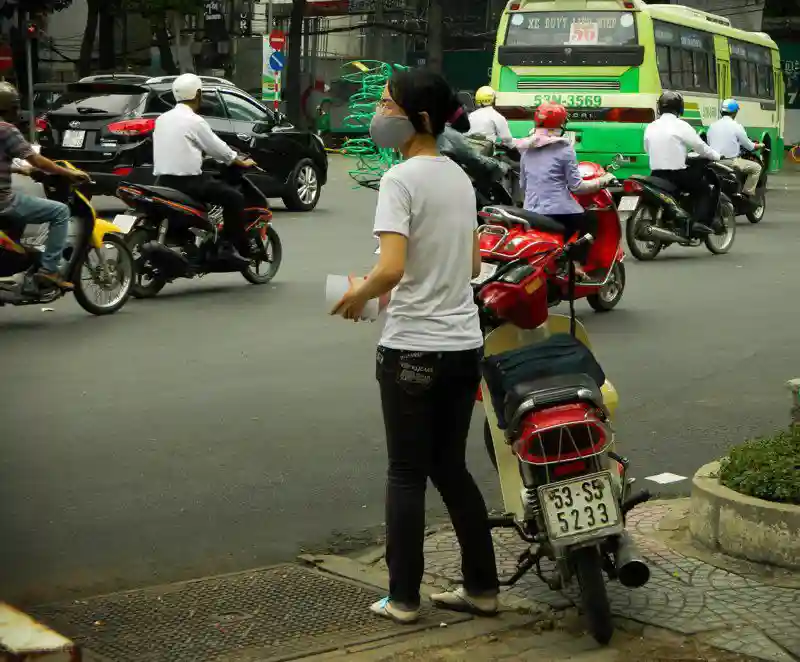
x: 25, y: 30
x: 378, y: 33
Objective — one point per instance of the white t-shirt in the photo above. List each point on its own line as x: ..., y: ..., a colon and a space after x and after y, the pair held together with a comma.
x: 728, y: 137
x: 669, y: 140
x: 430, y: 201
x: 488, y: 122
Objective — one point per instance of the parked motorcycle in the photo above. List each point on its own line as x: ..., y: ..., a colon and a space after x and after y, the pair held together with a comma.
x: 98, y: 262
x: 510, y: 233
x: 175, y: 236
x: 660, y: 213
x: 549, y: 409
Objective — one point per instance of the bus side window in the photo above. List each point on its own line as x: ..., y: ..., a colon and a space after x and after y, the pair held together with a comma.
x: 662, y: 56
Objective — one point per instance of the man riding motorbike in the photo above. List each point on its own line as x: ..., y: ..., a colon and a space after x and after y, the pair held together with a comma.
x: 180, y: 139
x: 668, y: 141
x: 486, y: 121
x: 728, y: 137
x: 21, y: 209
x: 549, y: 176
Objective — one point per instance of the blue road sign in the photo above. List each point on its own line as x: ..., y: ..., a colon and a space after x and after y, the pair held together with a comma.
x: 277, y: 61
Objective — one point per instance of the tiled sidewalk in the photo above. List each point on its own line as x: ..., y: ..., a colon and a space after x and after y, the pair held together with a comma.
x: 744, y: 613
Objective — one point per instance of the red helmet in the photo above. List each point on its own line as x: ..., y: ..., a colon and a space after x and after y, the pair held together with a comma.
x: 550, y: 115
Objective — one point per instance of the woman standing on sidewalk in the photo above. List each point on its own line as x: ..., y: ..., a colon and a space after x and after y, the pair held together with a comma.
x: 428, y: 360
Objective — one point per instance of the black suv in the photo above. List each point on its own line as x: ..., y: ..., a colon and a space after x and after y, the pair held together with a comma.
x: 104, y: 126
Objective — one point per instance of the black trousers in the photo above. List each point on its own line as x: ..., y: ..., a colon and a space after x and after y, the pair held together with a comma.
x: 693, y: 181
x: 210, y: 190
x: 427, y: 401
x: 581, y: 224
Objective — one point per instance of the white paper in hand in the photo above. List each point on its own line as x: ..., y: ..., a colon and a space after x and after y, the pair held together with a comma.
x: 336, y: 287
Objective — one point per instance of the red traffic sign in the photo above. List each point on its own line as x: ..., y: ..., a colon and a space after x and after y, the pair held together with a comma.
x: 277, y: 39
x: 6, y: 58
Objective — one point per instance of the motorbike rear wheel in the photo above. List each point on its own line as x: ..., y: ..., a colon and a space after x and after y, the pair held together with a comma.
x: 274, y: 251
x: 146, y: 285
x: 594, y: 597
x: 642, y: 249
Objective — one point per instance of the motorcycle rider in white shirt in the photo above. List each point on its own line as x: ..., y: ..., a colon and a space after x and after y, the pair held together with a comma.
x: 728, y: 137
x: 486, y: 121
x: 668, y: 141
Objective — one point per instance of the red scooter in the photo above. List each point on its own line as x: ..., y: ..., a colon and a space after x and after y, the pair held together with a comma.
x: 510, y: 234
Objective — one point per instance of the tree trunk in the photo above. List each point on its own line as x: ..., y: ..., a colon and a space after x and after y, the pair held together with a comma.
x: 435, y: 36
x: 293, y: 85
x: 89, y: 34
x: 107, y: 37
x: 159, y: 24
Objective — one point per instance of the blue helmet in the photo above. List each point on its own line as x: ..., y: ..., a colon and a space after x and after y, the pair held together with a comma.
x: 729, y: 107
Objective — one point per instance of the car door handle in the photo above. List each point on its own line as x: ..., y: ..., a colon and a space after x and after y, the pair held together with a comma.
x: 243, y: 136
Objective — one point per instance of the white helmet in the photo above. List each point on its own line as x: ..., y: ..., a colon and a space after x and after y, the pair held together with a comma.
x: 186, y: 87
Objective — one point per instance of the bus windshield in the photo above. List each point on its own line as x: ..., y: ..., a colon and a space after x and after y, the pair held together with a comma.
x: 571, y: 28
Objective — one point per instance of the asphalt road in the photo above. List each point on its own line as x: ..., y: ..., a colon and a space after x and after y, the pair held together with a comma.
x: 224, y: 426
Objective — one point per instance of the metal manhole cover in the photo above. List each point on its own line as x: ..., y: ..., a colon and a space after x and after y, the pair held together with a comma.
x: 279, y: 613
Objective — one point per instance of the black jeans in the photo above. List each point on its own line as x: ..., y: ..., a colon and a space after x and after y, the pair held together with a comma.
x: 581, y: 224
x: 207, y: 189
x: 427, y: 400
x: 691, y: 180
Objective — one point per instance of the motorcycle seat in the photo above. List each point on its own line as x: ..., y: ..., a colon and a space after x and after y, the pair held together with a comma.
x: 550, y: 392
x: 528, y: 219
x: 660, y: 183
x: 170, y: 194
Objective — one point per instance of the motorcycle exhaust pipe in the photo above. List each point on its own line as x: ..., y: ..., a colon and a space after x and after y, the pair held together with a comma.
x: 654, y: 232
x: 632, y: 571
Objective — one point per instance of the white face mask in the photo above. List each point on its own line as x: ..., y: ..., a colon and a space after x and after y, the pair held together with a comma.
x: 391, y: 132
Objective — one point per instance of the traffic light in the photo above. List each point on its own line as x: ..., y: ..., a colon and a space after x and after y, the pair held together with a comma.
x: 31, y: 30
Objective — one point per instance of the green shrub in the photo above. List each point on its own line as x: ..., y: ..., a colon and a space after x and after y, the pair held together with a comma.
x: 766, y: 468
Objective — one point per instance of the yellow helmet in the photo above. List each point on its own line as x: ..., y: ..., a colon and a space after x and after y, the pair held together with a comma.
x: 485, y: 96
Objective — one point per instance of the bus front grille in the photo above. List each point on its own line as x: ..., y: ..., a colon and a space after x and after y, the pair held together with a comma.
x: 530, y: 84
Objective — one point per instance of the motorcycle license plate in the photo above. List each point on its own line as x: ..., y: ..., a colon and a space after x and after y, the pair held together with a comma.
x: 628, y: 203
x: 487, y: 271
x: 573, y: 508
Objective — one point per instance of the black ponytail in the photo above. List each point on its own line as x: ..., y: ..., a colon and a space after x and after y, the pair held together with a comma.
x: 419, y: 91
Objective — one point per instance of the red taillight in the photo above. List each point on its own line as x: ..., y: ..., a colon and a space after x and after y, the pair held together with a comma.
x: 630, y: 115
x: 124, y: 171
x: 631, y: 186
x: 514, y: 6
x: 628, y: 4
x: 569, y: 468
x: 139, y: 127
x: 41, y: 124
x: 515, y: 112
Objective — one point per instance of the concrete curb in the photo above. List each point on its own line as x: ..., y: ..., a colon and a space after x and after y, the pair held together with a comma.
x: 22, y: 638
x: 742, y: 526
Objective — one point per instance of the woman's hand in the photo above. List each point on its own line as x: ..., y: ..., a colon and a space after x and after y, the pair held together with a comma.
x: 351, y: 305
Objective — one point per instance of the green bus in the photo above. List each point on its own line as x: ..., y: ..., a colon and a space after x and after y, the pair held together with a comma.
x: 608, y: 61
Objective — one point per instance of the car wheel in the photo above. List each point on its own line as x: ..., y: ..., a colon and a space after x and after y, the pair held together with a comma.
x: 304, y: 187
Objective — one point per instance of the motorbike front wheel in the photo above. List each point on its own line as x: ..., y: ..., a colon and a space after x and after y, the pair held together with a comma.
x: 103, y: 283
x: 146, y: 285
x: 721, y: 240
x: 262, y: 271
x: 596, y: 608
x: 643, y: 250
x: 608, y: 296
x: 756, y: 215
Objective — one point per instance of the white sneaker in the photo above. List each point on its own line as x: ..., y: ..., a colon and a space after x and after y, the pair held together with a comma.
x: 387, y: 609
x: 459, y: 600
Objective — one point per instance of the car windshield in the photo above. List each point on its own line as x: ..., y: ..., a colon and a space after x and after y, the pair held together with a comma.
x: 94, y: 103
x: 571, y: 28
